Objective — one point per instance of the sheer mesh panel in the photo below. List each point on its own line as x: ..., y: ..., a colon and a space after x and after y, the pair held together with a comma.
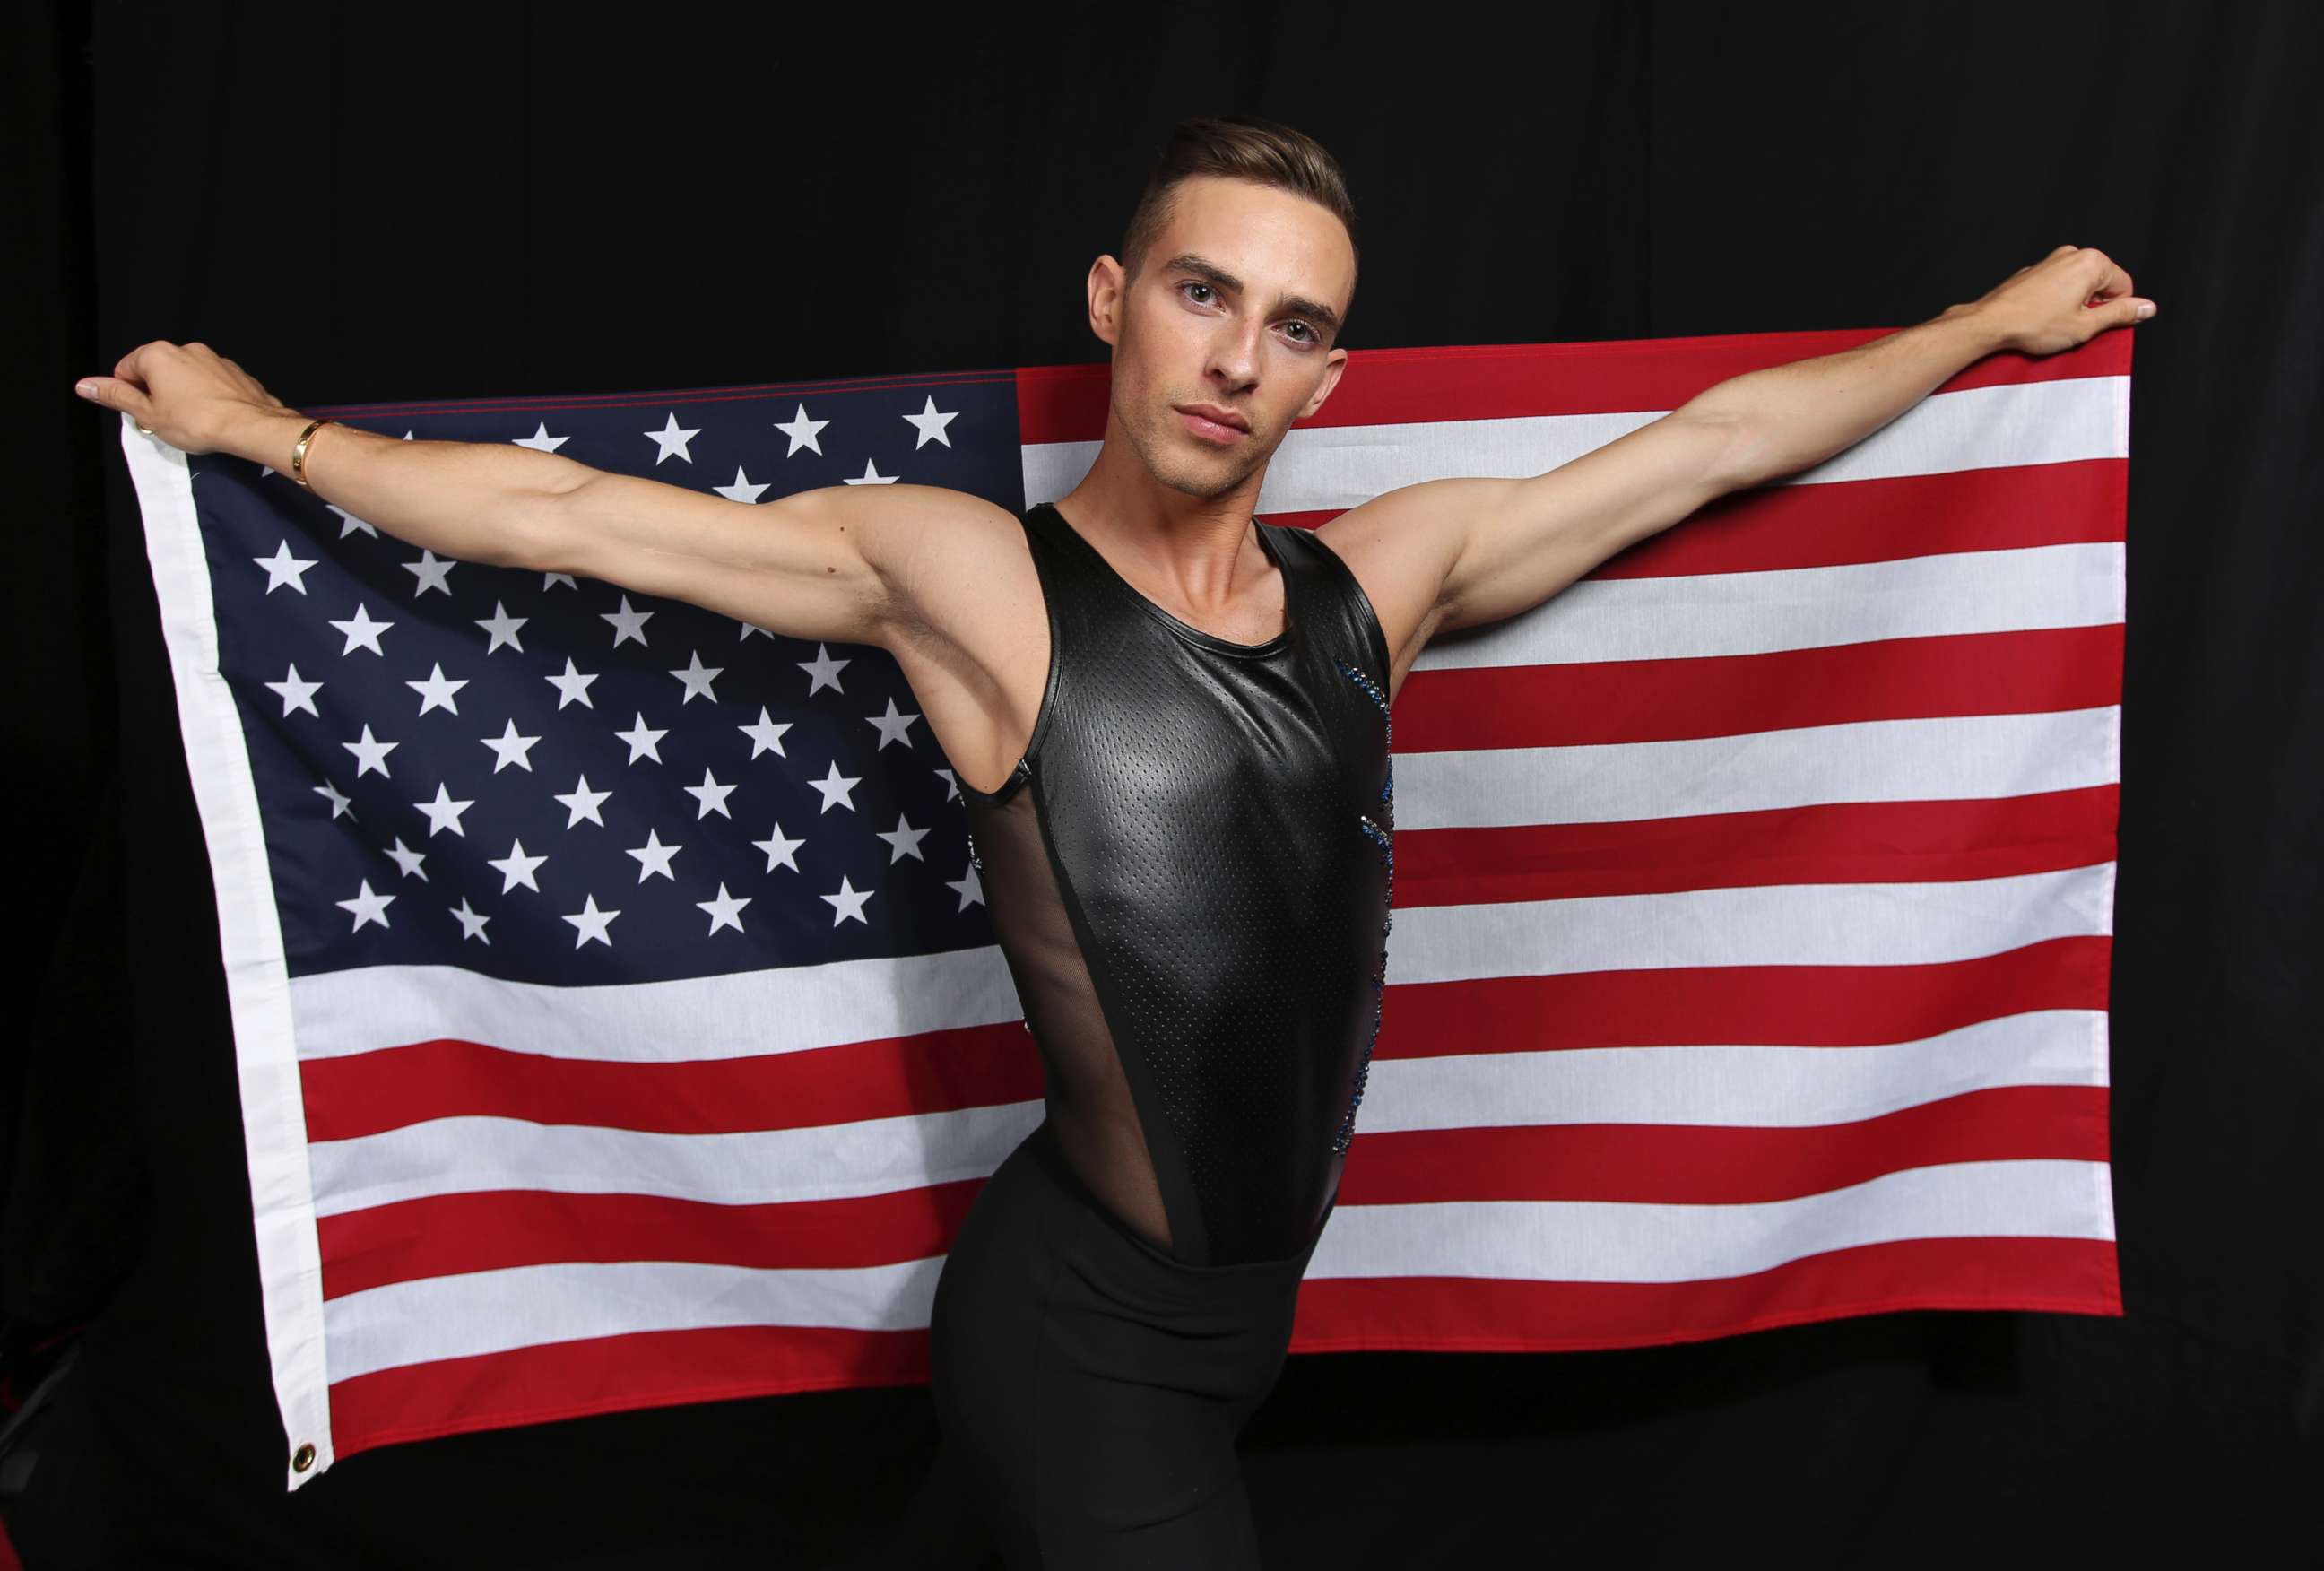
x: 1090, y: 1108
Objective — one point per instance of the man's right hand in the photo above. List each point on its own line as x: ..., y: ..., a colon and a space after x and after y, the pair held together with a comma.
x: 187, y: 395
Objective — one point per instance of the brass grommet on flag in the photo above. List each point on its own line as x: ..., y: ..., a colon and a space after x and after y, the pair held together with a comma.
x: 302, y: 1458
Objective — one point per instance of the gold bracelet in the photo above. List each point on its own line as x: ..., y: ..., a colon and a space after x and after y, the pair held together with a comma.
x: 299, y: 453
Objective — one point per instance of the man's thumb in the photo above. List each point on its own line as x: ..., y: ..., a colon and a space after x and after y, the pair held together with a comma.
x: 114, y: 393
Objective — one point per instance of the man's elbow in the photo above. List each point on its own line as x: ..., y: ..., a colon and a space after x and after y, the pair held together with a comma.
x: 1736, y: 452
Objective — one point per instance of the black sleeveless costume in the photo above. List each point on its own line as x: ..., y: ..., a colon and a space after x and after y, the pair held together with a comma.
x: 1190, y: 877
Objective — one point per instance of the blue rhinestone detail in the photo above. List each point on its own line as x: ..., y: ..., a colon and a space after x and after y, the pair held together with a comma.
x: 1382, y: 836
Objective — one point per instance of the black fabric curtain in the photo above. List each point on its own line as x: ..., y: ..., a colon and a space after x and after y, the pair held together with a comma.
x: 512, y: 199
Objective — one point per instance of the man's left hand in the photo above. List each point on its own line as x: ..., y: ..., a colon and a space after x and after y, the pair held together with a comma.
x: 2068, y: 297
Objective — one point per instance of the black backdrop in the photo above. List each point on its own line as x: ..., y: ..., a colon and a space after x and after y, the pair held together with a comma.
x: 509, y: 199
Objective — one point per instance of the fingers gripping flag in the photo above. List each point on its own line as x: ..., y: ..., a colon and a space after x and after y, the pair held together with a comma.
x: 616, y: 1007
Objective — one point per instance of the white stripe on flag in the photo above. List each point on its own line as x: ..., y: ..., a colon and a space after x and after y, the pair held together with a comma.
x: 1811, y: 924
x: 471, y: 1155
x: 1688, y: 615
x: 496, y: 1311
x: 1744, y: 1086
x: 1614, y: 1241
x: 741, y: 1014
x: 1948, y: 758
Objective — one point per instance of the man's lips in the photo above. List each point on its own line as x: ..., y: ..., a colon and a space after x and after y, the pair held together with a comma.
x: 1211, y: 431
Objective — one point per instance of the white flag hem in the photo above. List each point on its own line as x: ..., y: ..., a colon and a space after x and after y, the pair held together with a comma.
x: 250, y: 941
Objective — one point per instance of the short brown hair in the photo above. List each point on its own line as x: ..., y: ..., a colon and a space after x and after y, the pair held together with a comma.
x: 1239, y: 147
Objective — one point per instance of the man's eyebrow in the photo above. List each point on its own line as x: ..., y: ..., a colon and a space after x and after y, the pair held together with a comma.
x: 1210, y: 272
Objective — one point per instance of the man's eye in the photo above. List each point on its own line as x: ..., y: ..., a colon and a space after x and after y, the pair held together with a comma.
x: 1312, y: 338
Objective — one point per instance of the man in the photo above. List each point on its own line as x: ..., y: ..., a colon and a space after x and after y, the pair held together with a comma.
x: 1170, y: 724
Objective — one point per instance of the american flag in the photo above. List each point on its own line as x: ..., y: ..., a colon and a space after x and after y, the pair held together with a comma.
x: 618, y: 1016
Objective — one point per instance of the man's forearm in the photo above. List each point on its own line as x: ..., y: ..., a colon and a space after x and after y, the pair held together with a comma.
x: 1793, y: 417
x: 479, y: 502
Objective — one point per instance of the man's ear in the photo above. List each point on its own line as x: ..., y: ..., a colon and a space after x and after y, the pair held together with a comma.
x: 1105, y: 298
x: 1334, y: 368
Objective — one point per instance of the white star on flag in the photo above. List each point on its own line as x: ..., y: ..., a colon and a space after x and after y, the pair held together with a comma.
x: 903, y: 841
x: 472, y: 924
x: 892, y: 727
x: 444, y: 813
x: 823, y: 670
x: 282, y: 568
x: 572, y: 687
x: 971, y: 887
x: 433, y: 572
x: 581, y: 803
x: 589, y: 922
x: 711, y: 795
x: 802, y: 433
x: 503, y: 628
x: 930, y: 425
x: 766, y: 734
x: 508, y: 748
x: 697, y: 679
x: 627, y: 624
x: 517, y: 868
x: 299, y: 695
x: 407, y: 859
x: 725, y: 912
x: 370, y: 754
x: 641, y: 741
x: 653, y: 858
x: 366, y: 906
x: 836, y: 788
x: 779, y: 850
x: 848, y: 903
x: 361, y: 631
x: 436, y: 692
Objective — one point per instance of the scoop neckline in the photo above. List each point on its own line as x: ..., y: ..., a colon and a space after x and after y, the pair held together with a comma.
x: 1188, y: 630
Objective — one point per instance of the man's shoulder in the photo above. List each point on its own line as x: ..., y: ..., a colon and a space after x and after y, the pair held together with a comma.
x: 1401, y: 547
x: 956, y: 563
x: 942, y: 505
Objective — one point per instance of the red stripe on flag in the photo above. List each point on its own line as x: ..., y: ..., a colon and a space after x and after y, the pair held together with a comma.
x: 1932, y: 842
x: 361, y: 1094
x: 606, y: 1374
x: 1700, y: 1164
x: 1067, y: 403
x: 1351, y: 1314
x: 1778, y: 527
x: 491, y: 1230
x: 2031, y: 671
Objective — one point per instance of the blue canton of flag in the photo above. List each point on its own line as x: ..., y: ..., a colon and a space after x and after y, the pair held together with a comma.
x: 549, y: 778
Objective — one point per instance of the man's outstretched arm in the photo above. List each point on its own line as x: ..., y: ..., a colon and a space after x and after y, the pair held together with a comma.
x: 835, y: 562
x: 1518, y: 542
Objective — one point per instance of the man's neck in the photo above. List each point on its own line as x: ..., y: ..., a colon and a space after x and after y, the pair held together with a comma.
x: 1203, y: 548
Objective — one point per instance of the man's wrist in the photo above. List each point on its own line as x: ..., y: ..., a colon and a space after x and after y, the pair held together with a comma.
x: 1985, y: 332
x: 265, y: 436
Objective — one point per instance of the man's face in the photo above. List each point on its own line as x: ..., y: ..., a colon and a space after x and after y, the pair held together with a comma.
x: 1182, y: 335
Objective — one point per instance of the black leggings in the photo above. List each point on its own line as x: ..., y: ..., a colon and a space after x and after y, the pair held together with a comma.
x: 1090, y: 1388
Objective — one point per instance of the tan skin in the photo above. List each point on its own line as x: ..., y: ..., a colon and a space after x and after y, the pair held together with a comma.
x: 946, y: 583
